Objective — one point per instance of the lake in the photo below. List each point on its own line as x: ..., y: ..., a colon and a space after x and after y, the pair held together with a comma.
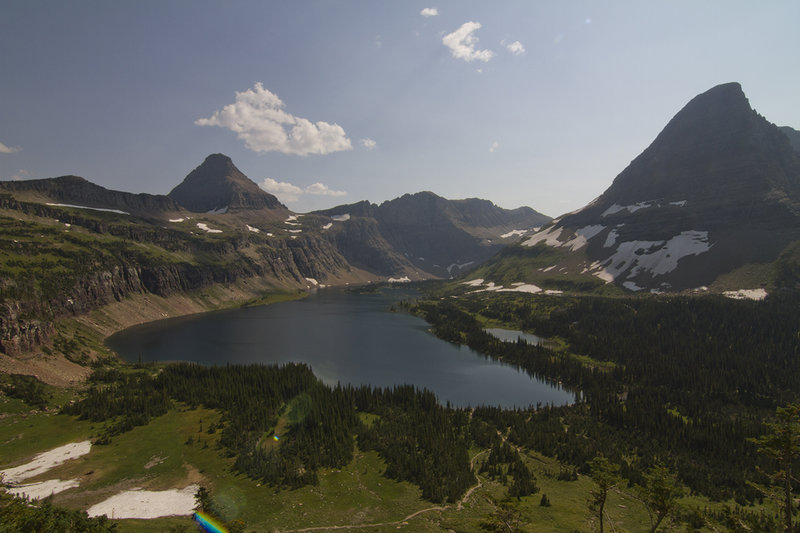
x: 345, y: 338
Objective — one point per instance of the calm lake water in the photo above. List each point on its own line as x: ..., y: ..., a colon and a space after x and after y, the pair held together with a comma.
x: 345, y: 338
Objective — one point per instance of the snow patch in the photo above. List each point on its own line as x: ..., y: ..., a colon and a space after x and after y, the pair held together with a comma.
x: 582, y: 237
x: 176, y: 220
x: 341, y: 218
x: 512, y: 233
x: 474, y: 282
x: 746, y: 294
x: 147, y: 504
x: 312, y: 281
x: 458, y: 266
x: 549, y: 237
x: 522, y: 287
x: 631, y: 286
x: 616, y: 208
x: 45, y: 461
x: 205, y: 228
x: 329, y: 225
x: 682, y: 203
x: 295, y: 231
x: 91, y: 208
x: 251, y: 228
x: 611, y: 239
x: 43, y: 489
x: 404, y: 279
x: 655, y: 257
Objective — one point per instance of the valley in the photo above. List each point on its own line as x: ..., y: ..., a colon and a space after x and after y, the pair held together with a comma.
x: 669, y: 306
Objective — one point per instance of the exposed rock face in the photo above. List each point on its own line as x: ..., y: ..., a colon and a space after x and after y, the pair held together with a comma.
x: 428, y: 233
x: 217, y: 185
x: 79, y: 259
x: 719, y: 188
x: 75, y: 190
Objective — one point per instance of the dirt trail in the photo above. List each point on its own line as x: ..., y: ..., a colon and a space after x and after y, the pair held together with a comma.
x: 402, y: 521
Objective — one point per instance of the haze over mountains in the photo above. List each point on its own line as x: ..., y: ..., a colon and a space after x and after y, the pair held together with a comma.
x: 713, y: 202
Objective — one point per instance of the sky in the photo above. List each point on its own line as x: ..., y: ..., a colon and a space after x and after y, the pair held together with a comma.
x: 532, y: 102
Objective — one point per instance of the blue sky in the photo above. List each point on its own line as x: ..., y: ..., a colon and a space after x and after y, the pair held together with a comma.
x: 538, y: 103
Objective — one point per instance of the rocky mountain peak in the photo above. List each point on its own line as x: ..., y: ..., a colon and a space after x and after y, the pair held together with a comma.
x: 716, y: 149
x: 717, y: 190
x: 217, y: 185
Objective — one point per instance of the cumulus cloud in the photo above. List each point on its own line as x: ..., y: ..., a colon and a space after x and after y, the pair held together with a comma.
x: 321, y: 189
x: 516, y: 48
x: 429, y: 12
x: 9, y: 149
x: 368, y: 143
x: 258, y: 118
x: 289, y: 193
x: 286, y: 192
x: 462, y: 43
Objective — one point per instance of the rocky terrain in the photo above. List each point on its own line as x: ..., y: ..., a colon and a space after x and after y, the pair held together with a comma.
x: 70, y: 246
x: 714, y: 201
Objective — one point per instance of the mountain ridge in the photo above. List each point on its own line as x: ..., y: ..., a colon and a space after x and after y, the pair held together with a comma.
x: 717, y: 191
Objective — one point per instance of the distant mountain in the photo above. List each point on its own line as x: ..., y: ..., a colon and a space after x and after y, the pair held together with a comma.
x: 74, y: 190
x: 715, y: 199
x: 218, y: 186
x: 434, y: 235
x: 72, y: 246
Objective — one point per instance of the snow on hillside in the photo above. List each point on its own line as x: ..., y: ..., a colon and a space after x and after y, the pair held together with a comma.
x: 655, y: 257
x: 91, y: 208
x: 147, y: 503
x: 46, y: 460
x: 746, y: 294
x: 205, y: 228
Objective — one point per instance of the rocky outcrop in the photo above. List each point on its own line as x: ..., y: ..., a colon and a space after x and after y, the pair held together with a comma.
x: 218, y: 186
x: 19, y: 332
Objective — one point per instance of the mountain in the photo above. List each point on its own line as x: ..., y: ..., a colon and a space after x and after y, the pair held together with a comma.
x: 793, y: 135
x: 71, y: 247
x: 218, y: 186
x: 713, y: 201
x: 431, y: 234
x: 74, y: 190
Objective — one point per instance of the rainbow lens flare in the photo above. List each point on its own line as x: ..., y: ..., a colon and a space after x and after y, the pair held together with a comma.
x: 209, y: 523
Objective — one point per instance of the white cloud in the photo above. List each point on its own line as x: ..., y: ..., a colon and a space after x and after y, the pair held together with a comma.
x: 8, y: 149
x: 321, y: 189
x: 289, y: 193
x: 21, y: 175
x: 516, y: 48
x: 286, y: 192
x: 429, y: 12
x: 258, y: 118
x: 368, y: 143
x: 494, y: 146
x: 462, y: 43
